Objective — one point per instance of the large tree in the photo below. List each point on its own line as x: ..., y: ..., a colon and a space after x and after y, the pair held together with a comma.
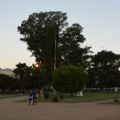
x: 105, y: 70
x: 40, y: 31
x: 70, y: 47
x: 52, y: 42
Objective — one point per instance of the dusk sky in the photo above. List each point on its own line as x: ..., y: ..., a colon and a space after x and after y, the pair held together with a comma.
x: 99, y: 18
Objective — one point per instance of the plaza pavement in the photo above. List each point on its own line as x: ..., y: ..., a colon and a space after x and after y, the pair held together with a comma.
x: 11, y: 110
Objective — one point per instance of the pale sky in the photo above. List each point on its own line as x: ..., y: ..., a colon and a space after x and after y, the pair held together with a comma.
x: 99, y: 18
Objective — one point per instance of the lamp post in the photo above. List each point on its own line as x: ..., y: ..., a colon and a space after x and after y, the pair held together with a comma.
x: 37, y: 68
x: 54, y: 67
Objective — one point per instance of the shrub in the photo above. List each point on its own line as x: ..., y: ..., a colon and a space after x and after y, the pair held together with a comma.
x: 69, y: 78
x: 61, y: 96
x: 116, y: 99
x: 55, y: 99
x: 46, y: 95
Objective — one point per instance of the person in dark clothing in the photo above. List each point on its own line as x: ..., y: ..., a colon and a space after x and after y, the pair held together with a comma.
x: 34, y: 97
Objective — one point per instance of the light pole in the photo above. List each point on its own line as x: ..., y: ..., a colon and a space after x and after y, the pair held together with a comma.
x: 54, y: 48
x: 37, y: 68
x: 54, y: 64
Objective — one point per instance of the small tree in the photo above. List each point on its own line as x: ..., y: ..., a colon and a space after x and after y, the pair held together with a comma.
x: 23, y: 72
x: 69, y: 79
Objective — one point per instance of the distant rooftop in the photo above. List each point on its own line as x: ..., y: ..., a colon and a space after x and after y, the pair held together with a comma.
x: 7, y: 71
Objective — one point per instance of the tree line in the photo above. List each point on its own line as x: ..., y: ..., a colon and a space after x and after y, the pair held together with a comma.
x: 54, y: 43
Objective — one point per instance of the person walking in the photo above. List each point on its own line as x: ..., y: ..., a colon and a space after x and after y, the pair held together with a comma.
x: 30, y: 97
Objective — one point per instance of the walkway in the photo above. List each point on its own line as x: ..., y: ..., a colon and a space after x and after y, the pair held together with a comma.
x: 11, y: 110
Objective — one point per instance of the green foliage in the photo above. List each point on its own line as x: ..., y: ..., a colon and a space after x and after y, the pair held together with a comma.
x: 39, y: 32
x: 69, y: 79
x: 48, y: 37
x: 61, y: 96
x: 23, y: 72
x: 71, y: 50
x: 46, y: 95
x: 116, y: 98
x: 104, y: 72
x: 55, y: 99
x: 8, y: 83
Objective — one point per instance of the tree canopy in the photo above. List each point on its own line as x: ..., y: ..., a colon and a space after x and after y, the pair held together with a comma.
x: 105, y: 70
x: 23, y: 72
x: 8, y: 83
x: 69, y: 78
x: 51, y: 41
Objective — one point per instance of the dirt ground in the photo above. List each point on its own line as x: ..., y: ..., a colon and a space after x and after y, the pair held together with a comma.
x: 11, y: 110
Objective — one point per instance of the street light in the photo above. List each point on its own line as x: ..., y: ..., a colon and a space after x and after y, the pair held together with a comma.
x: 37, y: 68
x: 54, y: 67
x: 37, y: 65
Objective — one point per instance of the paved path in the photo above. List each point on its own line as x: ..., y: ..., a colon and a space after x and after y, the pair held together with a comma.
x: 11, y: 110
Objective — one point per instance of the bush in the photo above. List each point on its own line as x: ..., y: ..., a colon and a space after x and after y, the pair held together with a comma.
x: 46, y: 95
x: 69, y: 78
x: 55, y: 99
x: 116, y: 99
x: 61, y: 96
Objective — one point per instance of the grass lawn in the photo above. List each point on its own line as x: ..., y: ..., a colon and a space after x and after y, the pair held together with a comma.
x: 114, y: 103
x: 3, y: 96
x: 87, y: 97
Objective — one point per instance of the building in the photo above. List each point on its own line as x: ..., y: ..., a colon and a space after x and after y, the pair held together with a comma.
x: 7, y: 71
